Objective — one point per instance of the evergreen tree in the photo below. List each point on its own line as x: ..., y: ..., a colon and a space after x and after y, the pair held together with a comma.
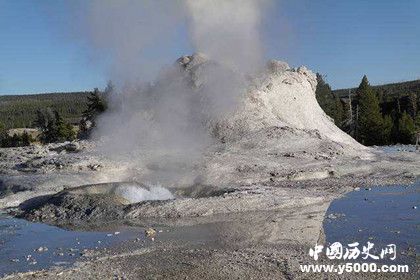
x: 95, y: 106
x: 339, y: 113
x: 44, y: 121
x: 52, y: 127
x: 417, y: 122
x: 412, y: 105
x: 396, y: 115
x: 330, y: 103
x: 387, y: 126
x: 417, y: 127
x: 369, y: 120
x: 399, y: 105
x: 349, y: 120
x: 364, y: 86
x: 3, y: 135
x: 16, y: 140
x: 65, y: 130
x: 406, y: 129
x: 26, y: 139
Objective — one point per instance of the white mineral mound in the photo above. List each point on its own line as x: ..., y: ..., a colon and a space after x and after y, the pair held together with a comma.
x: 277, y: 127
x: 280, y: 97
x: 286, y: 97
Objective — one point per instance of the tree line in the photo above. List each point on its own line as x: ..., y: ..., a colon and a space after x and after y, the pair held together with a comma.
x: 17, y: 111
x: 53, y: 127
x: 370, y: 116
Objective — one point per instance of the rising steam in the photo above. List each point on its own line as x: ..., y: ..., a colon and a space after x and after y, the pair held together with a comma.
x: 228, y: 31
x: 160, y: 113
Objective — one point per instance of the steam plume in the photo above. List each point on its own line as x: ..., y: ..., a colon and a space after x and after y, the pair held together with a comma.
x: 157, y: 116
x: 228, y: 31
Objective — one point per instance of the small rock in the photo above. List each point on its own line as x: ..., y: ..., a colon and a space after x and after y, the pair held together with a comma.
x: 41, y: 249
x: 72, y: 147
x: 14, y: 260
x: 356, y: 189
x: 150, y: 232
x: 95, y: 167
x: 333, y: 216
x: 414, y: 207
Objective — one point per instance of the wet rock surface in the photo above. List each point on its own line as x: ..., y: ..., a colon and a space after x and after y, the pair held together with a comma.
x: 65, y: 208
x: 8, y: 189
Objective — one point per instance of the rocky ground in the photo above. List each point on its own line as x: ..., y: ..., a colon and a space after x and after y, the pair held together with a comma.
x: 171, y: 261
x: 259, y: 230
